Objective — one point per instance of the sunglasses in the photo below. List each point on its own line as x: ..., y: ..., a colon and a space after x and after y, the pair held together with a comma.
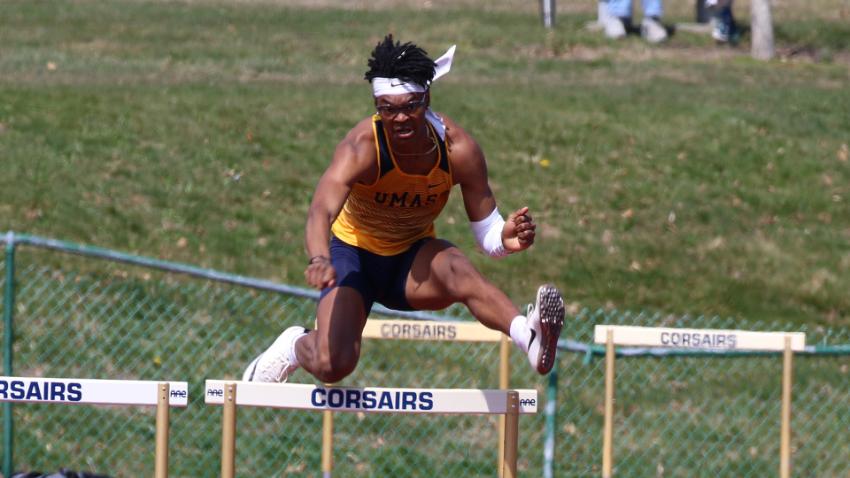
x: 391, y: 111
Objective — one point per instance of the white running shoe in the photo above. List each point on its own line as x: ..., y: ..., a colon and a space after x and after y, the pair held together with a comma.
x: 652, y: 30
x: 614, y: 27
x: 274, y: 365
x: 545, y: 319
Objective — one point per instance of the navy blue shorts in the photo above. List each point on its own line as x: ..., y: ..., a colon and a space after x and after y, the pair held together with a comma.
x: 378, y: 278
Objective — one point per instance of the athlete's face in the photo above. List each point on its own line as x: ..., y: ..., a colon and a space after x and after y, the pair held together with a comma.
x: 404, y: 115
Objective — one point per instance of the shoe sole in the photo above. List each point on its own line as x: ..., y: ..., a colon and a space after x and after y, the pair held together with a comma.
x: 551, y: 322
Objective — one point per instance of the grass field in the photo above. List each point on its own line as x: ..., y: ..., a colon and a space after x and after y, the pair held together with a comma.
x: 685, y: 178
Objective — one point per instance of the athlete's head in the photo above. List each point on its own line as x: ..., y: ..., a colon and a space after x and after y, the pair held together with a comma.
x: 401, y: 75
x: 406, y: 62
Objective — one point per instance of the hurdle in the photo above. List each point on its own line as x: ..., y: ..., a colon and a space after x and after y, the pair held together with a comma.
x: 71, y: 391
x: 698, y: 339
x: 445, y: 331
x: 510, y: 403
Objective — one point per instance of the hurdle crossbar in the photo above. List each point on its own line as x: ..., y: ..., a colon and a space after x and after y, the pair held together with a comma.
x: 71, y: 391
x: 703, y: 339
x: 230, y: 394
x: 468, y: 401
x: 455, y: 331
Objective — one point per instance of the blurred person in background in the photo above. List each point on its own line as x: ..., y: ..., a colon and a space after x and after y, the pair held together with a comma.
x: 724, y: 29
x: 617, y: 20
x: 370, y: 230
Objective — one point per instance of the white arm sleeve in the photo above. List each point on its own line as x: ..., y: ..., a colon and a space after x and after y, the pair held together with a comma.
x: 488, y: 234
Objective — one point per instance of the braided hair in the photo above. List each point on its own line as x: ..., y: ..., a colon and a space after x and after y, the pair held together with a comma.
x: 406, y: 62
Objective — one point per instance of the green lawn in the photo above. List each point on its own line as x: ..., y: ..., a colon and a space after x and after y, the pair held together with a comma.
x: 685, y: 178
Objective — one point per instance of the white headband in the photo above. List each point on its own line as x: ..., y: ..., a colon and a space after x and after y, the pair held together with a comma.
x: 395, y: 86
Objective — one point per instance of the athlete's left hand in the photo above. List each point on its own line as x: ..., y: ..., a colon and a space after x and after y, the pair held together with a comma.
x: 518, y: 233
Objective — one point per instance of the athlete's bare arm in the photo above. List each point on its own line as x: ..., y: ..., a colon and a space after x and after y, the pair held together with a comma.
x: 353, y: 161
x: 469, y: 169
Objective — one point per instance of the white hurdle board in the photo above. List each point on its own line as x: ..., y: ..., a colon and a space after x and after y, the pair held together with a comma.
x: 704, y: 339
x: 370, y: 399
x: 449, y: 331
x: 89, y: 391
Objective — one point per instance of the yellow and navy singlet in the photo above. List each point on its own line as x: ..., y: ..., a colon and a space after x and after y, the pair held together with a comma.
x: 398, y: 209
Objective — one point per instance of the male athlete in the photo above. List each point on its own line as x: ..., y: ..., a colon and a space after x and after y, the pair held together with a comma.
x: 370, y: 230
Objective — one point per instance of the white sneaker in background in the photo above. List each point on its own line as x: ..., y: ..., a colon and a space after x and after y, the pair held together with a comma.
x: 545, y: 319
x: 276, y: 363
x: 724, y: 29
x: 719, y: 32
x: 652, y: 30
x: 614, y: 27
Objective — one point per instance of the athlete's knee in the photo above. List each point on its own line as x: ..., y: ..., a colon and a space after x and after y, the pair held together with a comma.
x: 334, y: 366
x: 463, y: 278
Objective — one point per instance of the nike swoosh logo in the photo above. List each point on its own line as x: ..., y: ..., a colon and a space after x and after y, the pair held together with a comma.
x: 435, y: 185
x: 254, y: 370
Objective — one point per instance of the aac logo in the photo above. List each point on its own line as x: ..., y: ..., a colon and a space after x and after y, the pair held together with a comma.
x: 531, y: 402
x: 179, y: 393
x: 215, y: 392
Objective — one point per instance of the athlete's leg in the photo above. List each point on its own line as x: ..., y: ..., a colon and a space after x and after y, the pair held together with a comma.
x: 442, y: 275
x: 330, y: 353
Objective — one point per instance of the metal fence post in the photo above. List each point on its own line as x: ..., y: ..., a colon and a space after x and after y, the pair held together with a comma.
x: 8, y: 340
x: 547, y: 11
x: 551, y: 411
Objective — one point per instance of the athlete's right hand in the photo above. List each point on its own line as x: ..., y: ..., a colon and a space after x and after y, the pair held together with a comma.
x: 320, y: 273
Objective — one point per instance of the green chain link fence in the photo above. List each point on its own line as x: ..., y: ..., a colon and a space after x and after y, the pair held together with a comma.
x: 129, y: 318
